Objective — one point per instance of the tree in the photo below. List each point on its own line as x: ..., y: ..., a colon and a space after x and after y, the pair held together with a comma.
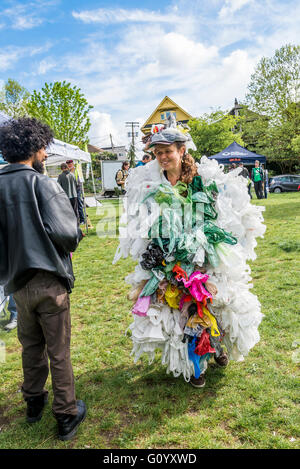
x: 254, y: 128
x: 275, y: 84
x: 65, y: 109
x: 274, y: 92
x: 14, y: 99
x: 131, y: 156
x: 213, y: 132
x: 296, y: 144
x: 281, y: 139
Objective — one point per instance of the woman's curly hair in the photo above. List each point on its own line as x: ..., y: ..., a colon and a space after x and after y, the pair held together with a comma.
x: 189, y: 168
x: 21, y: 138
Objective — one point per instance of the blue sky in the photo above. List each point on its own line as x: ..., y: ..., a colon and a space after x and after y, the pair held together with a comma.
x: 127, y: 55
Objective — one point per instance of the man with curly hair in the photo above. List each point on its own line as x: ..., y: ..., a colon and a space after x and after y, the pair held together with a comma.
x: 38, y: 230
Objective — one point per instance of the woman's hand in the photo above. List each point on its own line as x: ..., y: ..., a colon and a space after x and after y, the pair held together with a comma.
x: 211, y: 288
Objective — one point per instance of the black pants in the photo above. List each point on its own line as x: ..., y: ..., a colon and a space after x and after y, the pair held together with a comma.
x: 80, y: 207
x: 74, y: 203
x: 258, y: 189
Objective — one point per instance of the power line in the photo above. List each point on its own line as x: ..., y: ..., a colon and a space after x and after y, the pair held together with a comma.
x: 133, y: 125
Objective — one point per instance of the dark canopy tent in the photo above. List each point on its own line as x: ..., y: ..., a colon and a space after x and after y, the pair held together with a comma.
x: 235, y: 153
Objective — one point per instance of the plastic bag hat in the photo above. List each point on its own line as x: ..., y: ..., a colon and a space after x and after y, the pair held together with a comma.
x: 170, y: 133
x: 167, y: 137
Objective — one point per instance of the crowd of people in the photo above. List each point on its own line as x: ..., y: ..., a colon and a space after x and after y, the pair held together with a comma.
x: 259, y: 177
x: 190, y: 287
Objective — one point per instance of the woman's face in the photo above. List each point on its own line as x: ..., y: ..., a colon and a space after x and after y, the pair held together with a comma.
x: 169, y: 157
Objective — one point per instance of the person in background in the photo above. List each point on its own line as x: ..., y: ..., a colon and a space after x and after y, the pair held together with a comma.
x: 257, y: 177
x: 74, y: 171
x: 121, y: 175
x: 36, y: 268
x: 12, y: 308
x: 266, y: 181
x: 67, y: 181
x: 146, y: 158
x: 245, y: 174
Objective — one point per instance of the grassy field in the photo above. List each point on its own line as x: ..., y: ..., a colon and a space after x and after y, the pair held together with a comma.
x: 252, y: 404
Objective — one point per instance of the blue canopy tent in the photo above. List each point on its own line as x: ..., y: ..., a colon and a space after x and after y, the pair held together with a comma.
x: 235, y: 153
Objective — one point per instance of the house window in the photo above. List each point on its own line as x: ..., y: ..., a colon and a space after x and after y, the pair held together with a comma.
x: 169, y: 113
x: 162, y: 116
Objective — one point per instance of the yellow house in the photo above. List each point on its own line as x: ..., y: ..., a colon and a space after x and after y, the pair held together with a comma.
x: 163, y: 110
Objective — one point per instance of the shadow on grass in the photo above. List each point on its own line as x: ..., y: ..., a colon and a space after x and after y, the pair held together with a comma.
x: 125, y: 406
x: 130, y: 403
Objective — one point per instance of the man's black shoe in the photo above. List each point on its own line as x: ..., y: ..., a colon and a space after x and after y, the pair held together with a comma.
x: 35, y: 407
x: 68, y: 424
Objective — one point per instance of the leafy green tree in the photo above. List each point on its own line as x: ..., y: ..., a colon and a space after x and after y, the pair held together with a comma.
x: 14, y: 99
x: 213, y: 132
x: 274, y: 93
x: 254, y: 128
x: 96, y: 162
x: 275, y: 84
x: 296, y: 145
x: 131, y: 156
x: 65, y: 109
x: 281, y: 140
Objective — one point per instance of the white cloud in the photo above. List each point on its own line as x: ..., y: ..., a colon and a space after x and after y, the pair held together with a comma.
x: 119, y: 15
x: 45, y: 66
x: 29, y: 15
x: 151, y: 57
x: 102, y: 127
x: 200, y: 54
x: 9, y: 56
x: 231, y: 6
x: 176, y: 50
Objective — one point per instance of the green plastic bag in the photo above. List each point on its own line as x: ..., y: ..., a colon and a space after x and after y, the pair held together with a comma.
x: 216, y: 235
x: 150, y: 287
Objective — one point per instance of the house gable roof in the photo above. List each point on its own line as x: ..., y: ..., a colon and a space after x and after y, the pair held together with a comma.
x: 167, y: 104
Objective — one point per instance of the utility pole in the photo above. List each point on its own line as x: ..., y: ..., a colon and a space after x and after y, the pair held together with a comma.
x: 133, y: 125
x: 112, y: 145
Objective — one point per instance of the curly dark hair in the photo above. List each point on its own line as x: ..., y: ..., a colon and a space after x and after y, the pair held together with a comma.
x: 189, y: 168
x: 21, y: 138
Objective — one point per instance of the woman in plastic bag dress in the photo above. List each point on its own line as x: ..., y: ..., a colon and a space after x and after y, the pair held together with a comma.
x: 192, y: 228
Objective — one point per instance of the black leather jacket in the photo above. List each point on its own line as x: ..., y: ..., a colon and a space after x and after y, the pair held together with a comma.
x: 38, y: 228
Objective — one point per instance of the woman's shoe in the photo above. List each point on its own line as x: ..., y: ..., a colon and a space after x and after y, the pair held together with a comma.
x: 222, y: 360
x: 198, y: 382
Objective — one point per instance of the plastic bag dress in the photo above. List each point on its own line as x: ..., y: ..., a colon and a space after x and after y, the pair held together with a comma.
x: 175, y: 233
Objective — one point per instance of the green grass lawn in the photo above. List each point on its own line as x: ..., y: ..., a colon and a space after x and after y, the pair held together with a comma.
x: 252, y: 404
